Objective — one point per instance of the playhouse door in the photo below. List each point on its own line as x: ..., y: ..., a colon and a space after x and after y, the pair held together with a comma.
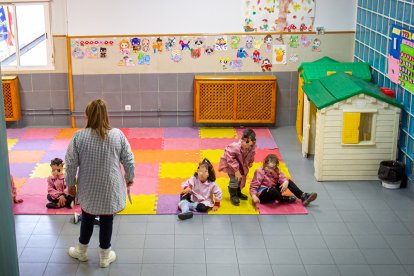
x: 306, y: 127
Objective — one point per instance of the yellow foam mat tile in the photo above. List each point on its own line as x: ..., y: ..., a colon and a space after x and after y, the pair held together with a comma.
x: 284, y: 169
x: 141, y: 204
x: 218, y: 132
x: 177, y: 170
x: 42, y: 170
x: 212, y: 155
x: 11, y: 143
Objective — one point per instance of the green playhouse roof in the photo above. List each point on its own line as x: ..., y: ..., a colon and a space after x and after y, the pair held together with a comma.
x: 341, y: 86
x: 317, y: 69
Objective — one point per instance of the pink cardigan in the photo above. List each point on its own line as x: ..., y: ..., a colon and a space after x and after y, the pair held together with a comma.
x: 203, y: 192
x: 264, y: 179
x: 13, y: 187
x: 56, y: 186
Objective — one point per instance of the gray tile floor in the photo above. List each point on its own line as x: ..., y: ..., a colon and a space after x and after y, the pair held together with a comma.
x: 354, y: 228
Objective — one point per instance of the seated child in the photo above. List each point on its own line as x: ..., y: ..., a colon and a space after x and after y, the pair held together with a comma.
x: 56, y: 187
x: 14, y: 193
x: 269, y: 183
x: 198, y: 191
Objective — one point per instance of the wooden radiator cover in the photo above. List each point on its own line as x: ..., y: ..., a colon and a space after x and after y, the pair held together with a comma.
x: 11, y: 98
x: 234, y: 99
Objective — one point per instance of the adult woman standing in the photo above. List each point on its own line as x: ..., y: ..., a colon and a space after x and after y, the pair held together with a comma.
x: 94, y: 156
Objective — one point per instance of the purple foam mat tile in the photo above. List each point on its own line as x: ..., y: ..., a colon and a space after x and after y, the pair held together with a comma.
x: 167, y: 204
x: 215, y: 143
x: 266, y: 143
x: 14, y: 133
x: 145, y: 133
x: 22, y: 170
x: 52, y: 154
x: 39, y: 144
x: 181, y: 132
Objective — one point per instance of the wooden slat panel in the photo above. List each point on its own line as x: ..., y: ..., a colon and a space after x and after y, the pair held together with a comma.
x: 352, y: 162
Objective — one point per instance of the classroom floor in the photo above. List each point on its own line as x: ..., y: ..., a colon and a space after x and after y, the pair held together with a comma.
x: 354, y: 228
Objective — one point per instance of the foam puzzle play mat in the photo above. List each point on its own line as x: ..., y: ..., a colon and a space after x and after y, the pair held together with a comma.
x: 164, y: 158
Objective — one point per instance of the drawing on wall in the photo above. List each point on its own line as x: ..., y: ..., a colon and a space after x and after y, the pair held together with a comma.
x: 294, y: 41
x: 224, y: 62
x: 170, y: 43
x: 77, y: 53
x: 176, y: 55
x: 266, y: 65
x: 279, y: 54
x: 278, y: 15
x: 401, y: 58
x: 136, y: 44
x: 316, y: 45
x: 221, y: 43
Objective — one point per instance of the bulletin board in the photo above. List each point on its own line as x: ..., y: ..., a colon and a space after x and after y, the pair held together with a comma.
x: 199, y: 53
x: 401, y: 58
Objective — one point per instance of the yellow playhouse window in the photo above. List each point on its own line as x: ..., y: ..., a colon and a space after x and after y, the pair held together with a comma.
x: 357, y: 128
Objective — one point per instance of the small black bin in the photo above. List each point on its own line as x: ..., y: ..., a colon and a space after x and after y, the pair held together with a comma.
x: 391, y: 171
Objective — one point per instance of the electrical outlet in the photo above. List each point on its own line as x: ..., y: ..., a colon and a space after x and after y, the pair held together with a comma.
x: 127, y: 107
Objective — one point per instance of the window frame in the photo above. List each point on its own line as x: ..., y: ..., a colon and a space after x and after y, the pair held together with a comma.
x: 49, y: 38
x: 371, y: 142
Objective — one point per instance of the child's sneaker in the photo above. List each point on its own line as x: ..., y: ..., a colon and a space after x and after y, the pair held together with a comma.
x: 96, y: 221
x: 51, y: 205
x: 76, y: 218
x: 186, y: 215
x: 288, y: 199
x: 308, y: 198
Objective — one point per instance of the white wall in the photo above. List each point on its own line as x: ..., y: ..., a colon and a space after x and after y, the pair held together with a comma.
x: 108, y: 17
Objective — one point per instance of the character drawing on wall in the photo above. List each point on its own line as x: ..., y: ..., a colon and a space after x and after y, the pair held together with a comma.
x: 184, y: 45
x: 209, y: 50
x: 294, y: 57
x: 248, y: 25
x: 145, y: 43
x: 257, y: 57
x: 294, y: 41
x: 176, y: 55
x: 224, y: 62
x: 280, y: 54
x: 221, y: 43
x: 199, y: 42
x: 305, y: 41
x: 124, y: 47
x: 102, y: 52
x: 316, y: 45
x: 266, y: 65
x: 157, y: 45
x: 91, y: 52
x: 249, y: 42
x: 77, y: 53
x: 126, y: 61
x: 265, y: 25
x: 144, y: 59
x: 170, y: 43
x: 257, y: 43
x: 195, y: 53
x: 242, y: 53
x: 235, y: 40
x: 136, y: 44
x: 236, y: 64
x: 268, y: 40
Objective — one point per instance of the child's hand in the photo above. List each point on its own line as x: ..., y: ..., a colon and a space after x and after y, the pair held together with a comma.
x: 284, y: 186
x: 215, y: 208
x: 17, y: 201
x: 186, y: 191
x: 62, y: 200
x: 238, y: 175
x: 255, y: 199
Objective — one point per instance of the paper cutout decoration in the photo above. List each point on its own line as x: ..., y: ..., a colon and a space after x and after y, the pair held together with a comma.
x: 170, y: 43
x: 157, y: 45
x: 249, y: 42
x: 294, y: 41
x: 221, y: 43
x: 280, y: 40
x: 144, y: 59
x: 305, y: 41
x: 195, y: 53
x: 279, y: 54
x: 102, y: 52
x: 268, y: 40
x: 209, y: 50
x: 136, y: 44
x: 224, y: 61
x: 406, y: 75
x: 266, y: 65
x: 242, y: 53
x: 235, y: 40
x: 257, y: 43
x: 126, y: 61
x: 393, y: 69
x: 184, y: 45
x: 294, y: 58
x: 320, y: 30
x: 77, y: 53
x: 176, y: 55
x: 316, y: 44
x: 199, y: 42
x: 124, y: 47
x: 278, y: 16
x: 256, y: 56
x: 145, y: 43
x: 91, y: 52
x: 236, y: 65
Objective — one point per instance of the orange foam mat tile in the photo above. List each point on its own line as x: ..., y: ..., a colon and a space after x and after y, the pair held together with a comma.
x: 66, y: 133
x: 170, y: 186
x: 26, y: 156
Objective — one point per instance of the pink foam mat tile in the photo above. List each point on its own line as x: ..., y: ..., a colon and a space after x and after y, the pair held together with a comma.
x: 181, y: 132
x: 260, y: 132
x: 266, y: 143
x: 68, y: 211
x: 145, y: 133
x: 35, y: 144
x: 282, y: 208
x: 146, y: 170
x: 52, y: 154
x: 35, y: 186
x: 146, y: 143
x: 15, y: 133
x: 22, y: 170
x: 33, y: 204
x: 182, y: 143
x: 215, y: 143
x: 262, y: 153
x: 40, y: 133
x: 144, y: 185
x: 59, y: 144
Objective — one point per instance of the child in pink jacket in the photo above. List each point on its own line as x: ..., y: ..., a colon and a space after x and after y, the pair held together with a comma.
x: 56, y: 187
x: 14, y: 192
x: 237, y: 158
x: 269, y: 183
x: 198, y: 191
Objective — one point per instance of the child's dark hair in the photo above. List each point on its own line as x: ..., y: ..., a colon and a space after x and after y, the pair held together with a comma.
x: 56, y: 162
x: 271, y: 158
x: 249, y: 134
x: 211, y: 174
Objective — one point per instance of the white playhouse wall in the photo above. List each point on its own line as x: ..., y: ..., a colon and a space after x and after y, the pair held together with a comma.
x: 335, y: 161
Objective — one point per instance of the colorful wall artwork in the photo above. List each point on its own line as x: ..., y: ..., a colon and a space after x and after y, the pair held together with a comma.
x: 278, y: 15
